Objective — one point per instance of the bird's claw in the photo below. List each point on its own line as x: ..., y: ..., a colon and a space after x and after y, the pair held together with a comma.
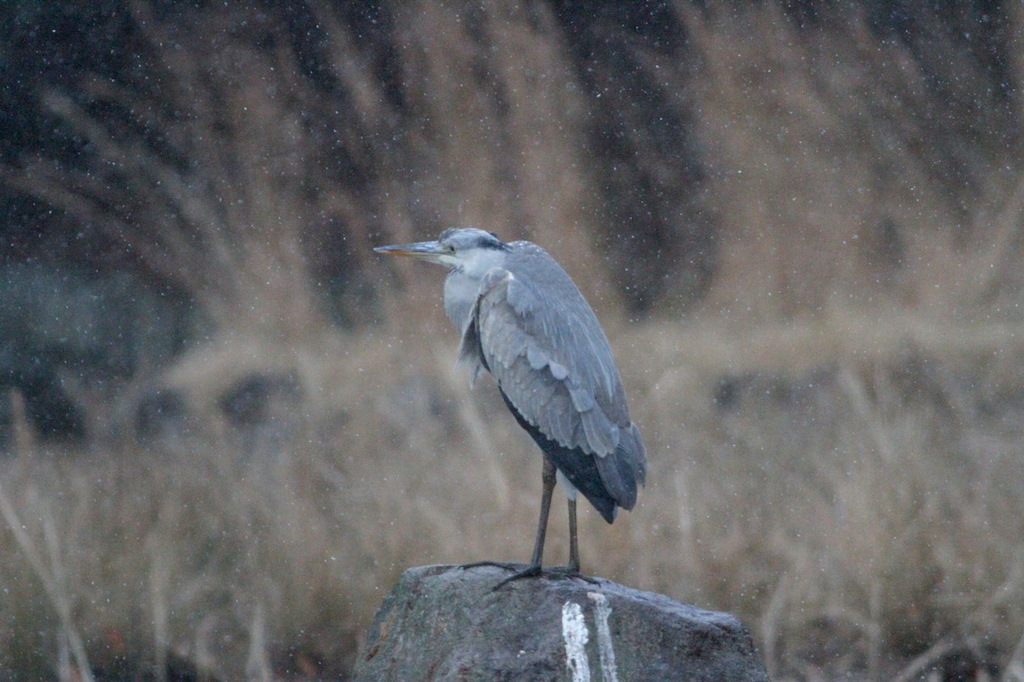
x: 507, y: 565
x: 552, y: 572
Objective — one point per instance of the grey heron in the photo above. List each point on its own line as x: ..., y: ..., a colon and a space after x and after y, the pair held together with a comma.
x: 523, y: 320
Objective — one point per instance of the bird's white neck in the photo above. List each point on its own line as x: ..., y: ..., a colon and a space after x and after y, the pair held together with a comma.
x: 462, y: 286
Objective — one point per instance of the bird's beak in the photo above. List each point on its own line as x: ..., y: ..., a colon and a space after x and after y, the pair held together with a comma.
x: 428, y: 251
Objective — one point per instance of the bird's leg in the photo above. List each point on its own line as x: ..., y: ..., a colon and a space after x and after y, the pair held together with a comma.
x: 574, y: 549
x: 534, y: 569
x: 573, y: 569
x: 548, y: 478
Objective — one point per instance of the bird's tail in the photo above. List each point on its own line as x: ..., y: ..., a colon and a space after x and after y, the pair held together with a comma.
x: 624, y: 470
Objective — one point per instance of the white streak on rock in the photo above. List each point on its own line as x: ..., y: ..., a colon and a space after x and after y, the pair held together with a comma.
x: 604, y: 637
x: 574, y: 632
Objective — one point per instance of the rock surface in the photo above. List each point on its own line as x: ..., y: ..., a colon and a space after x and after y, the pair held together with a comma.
x: 448, y: 623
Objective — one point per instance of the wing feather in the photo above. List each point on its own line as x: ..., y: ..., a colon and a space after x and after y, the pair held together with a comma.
x: 552, y: 361
x: 575, y: 400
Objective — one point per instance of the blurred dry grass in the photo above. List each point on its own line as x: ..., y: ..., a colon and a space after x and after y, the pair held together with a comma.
x: 834, y: 431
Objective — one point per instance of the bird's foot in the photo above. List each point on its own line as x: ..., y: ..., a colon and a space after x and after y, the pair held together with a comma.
x: 507, y: 565
x: 521, y: 571
x: 551, y: 572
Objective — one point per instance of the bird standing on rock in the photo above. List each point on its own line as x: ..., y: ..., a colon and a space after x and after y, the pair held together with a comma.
x: 522, y: 319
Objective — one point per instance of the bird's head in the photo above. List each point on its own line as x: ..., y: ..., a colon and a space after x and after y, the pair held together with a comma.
x: 468, y: 249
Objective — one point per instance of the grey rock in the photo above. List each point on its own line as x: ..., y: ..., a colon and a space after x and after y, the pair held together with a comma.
x: 449, y: 623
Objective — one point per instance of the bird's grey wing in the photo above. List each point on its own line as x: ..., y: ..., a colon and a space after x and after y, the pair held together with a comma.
x: 553, y: 363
